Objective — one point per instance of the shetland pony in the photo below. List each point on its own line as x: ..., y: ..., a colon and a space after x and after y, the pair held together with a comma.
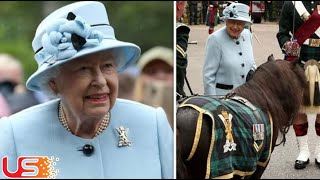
x: 233, y: 136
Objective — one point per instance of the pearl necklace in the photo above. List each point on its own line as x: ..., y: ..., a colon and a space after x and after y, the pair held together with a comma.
x: 103, y: 125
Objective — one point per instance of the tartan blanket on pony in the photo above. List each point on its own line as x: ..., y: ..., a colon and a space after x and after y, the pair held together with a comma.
x: 241, y: 135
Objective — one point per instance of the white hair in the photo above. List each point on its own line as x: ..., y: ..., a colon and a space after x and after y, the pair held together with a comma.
x: 9, y: 64
x: 46, y: 78
x: 8, y: 61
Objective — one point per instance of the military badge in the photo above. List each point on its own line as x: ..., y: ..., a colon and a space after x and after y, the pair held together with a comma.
x: 227, y: 121
x: 123, y: 136
x: 258, y: 132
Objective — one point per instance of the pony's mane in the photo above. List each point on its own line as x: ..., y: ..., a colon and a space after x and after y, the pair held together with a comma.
x: 276, y: 87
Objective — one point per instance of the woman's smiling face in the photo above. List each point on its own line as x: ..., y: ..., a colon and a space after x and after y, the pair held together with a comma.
x: 88, y: 86
x: 235, y: 27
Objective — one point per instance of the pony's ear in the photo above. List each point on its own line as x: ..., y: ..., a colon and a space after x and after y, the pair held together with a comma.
x: 271, y: 58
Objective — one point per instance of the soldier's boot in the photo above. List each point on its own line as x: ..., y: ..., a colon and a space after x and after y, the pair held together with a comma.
x: 302, y: 140
x: 304, y: 154
x: 317, y: 151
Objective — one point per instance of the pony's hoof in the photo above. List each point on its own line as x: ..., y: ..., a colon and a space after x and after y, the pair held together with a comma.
x: 317, y: 163
x: 301, y: 164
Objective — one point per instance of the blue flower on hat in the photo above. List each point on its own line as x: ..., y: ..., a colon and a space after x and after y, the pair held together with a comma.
x: 64, y: 38
x: 230, y: 12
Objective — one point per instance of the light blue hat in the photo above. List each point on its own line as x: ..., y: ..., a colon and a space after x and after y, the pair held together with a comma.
x: 73, y: 31
x: 237, y: 11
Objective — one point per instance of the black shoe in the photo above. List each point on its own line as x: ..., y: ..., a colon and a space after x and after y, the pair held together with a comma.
x: 301, y: 164
x: 317, y: 163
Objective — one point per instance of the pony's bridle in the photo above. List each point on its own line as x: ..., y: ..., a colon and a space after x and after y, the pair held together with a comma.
x: 285, y: 130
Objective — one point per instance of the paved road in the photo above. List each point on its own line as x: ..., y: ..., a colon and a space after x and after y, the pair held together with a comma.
x: 281, y: 165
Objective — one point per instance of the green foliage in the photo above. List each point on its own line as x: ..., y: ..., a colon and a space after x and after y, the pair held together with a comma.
x: 21, y: 49
x: 18, y: 21
x: 145, y: 23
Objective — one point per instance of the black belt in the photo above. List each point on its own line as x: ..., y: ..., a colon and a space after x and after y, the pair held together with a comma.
x: 224, y: 86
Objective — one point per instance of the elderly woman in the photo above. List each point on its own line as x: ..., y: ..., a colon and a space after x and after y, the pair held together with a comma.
x: 86, y: 132
x: 229, y: 53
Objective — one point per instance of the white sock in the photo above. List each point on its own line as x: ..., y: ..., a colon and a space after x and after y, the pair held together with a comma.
x: 304, y: 153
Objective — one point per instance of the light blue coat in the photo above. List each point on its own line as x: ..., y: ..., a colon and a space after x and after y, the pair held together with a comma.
x: 37, y: 132
x: 223, y: 63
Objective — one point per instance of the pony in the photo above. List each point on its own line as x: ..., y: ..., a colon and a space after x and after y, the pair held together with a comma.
x: 233, y: 136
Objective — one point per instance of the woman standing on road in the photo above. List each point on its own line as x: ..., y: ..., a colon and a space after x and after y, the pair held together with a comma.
x: 229, y: 53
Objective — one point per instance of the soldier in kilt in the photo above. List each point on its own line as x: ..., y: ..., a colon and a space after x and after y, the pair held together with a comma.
x: 301, y: 18
x: 182, y: 33
x: 213, y: 16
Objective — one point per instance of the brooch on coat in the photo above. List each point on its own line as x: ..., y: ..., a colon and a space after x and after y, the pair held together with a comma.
x: 123, y: 136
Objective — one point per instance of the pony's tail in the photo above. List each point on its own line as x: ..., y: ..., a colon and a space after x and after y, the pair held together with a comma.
x: 182, y: 172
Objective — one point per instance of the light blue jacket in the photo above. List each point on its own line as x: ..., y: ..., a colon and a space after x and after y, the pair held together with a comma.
x: 226, y: 61
x: 37, y: 132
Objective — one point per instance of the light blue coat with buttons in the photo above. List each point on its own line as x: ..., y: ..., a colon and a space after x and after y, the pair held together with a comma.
x: 37, y: 132
x: 226, y: 61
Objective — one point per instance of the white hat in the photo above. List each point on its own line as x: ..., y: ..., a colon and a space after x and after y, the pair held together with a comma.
x: 237, y: 11
x: 73, y: 31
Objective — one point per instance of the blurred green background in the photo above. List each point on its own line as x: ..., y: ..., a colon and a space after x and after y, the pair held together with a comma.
x: 145, y: 23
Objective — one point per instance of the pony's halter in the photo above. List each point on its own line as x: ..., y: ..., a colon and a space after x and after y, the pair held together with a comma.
x: 285, y: 131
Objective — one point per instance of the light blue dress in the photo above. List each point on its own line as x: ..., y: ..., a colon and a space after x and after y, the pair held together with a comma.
x: 37, y: 132
x: 227, y: 61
